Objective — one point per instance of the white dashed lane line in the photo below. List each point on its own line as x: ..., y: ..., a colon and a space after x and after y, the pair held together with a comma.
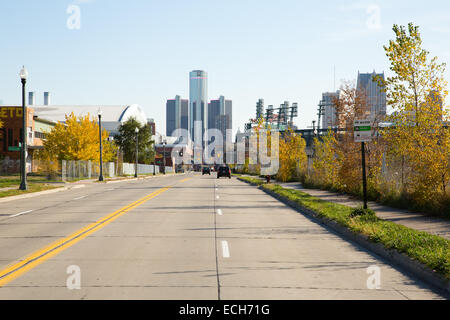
x: 79, y: 198
x: 225, y: 249
x: 20, y: 213
x: 219, y: 212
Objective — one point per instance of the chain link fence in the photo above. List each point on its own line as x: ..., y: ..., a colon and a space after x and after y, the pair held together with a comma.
x: 71, y: 170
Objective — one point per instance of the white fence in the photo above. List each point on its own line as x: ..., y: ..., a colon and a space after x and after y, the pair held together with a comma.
x: 129, y: 169
x: 71, y: 170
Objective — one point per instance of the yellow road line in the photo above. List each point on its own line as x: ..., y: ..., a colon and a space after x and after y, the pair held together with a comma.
x: 15, y: 270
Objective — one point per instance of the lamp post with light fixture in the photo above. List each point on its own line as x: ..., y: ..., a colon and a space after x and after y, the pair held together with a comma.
x: 164, y: 156
x: 137, y: 151
x: 23, y: 166
x: 100, y: 177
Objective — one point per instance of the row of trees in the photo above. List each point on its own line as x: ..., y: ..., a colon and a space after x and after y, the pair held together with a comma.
x: 78, y: 138
x: 408, y: 162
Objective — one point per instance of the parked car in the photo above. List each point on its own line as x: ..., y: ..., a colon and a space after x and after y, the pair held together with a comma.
x: 224, y: 171
x: 206, y: 170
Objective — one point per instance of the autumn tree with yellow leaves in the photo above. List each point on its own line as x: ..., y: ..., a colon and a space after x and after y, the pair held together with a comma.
x: 408, y: 161
x: 77, y: 139
x: 417, y: 139
x: 337, y: 158
x: 292, y: 155
x: 327, y: 160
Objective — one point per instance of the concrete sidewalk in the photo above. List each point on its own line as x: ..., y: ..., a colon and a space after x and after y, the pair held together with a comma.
x: 418, y: 221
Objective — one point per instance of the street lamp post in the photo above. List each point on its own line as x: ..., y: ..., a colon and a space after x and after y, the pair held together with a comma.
x: 154, y: 158
x: 137, y: 151
x: 100, y: 177
x: 164, y: 156
x: 23, y: 182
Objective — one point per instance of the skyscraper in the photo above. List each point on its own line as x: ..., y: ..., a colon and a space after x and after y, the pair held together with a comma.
x: 198, y: 100
x: 376, y: 97
x: 177, y: 113
x: 329, y: 119
x: 220, y: 114
x: 220, y: 118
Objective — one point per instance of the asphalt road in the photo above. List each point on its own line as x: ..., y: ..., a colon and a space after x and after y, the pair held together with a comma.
x: 182, y: 237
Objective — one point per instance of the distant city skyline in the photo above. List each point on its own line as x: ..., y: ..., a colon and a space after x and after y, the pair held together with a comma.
x: 279, y: 51
x: 213, y: 114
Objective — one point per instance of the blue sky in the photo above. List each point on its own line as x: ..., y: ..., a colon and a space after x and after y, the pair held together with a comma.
x: 141, y: 51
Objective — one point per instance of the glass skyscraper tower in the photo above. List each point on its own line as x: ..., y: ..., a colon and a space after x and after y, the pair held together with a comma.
x: 198, y: 101
x: 177, y: 114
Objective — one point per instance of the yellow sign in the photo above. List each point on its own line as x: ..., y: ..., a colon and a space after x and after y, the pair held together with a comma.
x: 10, y: 112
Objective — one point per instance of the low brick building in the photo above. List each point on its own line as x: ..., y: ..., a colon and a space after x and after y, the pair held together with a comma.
x: 11, y: 136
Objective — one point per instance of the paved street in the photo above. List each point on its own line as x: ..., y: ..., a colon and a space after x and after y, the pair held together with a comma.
x: 182, y: 237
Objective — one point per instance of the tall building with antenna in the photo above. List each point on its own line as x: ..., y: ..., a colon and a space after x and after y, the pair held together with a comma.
x: 198, y: 101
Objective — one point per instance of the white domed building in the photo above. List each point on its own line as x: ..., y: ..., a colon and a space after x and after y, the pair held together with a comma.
x: 112, y: 116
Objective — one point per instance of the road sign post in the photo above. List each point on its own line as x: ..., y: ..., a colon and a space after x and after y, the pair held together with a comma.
x: 363, y: 159
x: 363, y: 134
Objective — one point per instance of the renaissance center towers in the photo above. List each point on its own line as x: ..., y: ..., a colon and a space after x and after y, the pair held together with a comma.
x: 198, y: 103
x: 207, y: 123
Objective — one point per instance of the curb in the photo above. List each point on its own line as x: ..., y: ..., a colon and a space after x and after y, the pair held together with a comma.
x: 40, y: 193
x: 411, y: 266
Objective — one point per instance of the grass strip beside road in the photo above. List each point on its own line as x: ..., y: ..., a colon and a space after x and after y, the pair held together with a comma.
x: 431, y: 250
x: 32, y: 187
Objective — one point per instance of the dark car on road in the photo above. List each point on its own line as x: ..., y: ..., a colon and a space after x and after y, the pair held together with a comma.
x: 206, y: 170
x: 224, y: 171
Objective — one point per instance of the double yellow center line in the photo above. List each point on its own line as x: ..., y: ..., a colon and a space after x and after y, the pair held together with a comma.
x: 15, y: 270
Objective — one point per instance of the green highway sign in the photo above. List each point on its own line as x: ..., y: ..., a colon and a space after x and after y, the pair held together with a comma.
x: 13, y: 148
x: 362, y: 130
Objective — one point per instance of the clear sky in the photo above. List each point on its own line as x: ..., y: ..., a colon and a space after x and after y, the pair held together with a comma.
x: 141, y: 51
